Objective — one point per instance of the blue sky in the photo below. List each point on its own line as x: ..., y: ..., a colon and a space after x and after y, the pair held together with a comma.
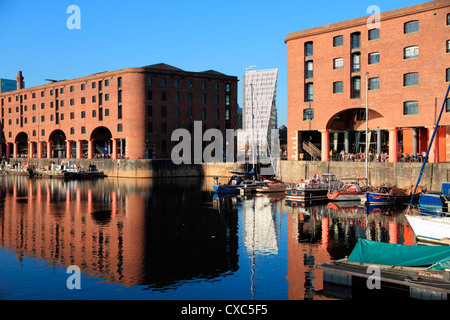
x: 194, y: 35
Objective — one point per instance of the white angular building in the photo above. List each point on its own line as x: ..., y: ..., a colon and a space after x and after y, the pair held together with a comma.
x: 259, y: 112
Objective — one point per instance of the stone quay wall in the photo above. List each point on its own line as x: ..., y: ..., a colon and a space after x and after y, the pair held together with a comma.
x: 401, y: 174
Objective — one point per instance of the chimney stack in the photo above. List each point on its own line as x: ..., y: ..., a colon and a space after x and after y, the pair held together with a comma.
x: 19, y: 80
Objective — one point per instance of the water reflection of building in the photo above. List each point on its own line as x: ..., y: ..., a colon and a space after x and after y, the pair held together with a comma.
x: 260, y: 229
x: 139, y: 232
x: 327, y: 234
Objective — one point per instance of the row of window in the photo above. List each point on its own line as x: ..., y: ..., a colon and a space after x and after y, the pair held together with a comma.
x: 409, y: 79
x: 409, y: 108
x: 176, y: 83
x: 71, y: 131
x: 189, y: 112
x: 190, y: 97
x: 59, y: 91
x: 72, y: 116
x: 373, y: 34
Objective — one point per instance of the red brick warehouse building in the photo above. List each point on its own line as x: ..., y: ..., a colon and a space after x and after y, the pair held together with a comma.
x: 127, y: 113
x: 407, y: 61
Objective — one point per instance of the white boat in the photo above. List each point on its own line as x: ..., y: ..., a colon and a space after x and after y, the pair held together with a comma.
x: 431, y: 228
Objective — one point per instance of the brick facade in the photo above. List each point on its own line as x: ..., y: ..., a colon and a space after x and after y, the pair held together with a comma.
x: 337, y: 110
x: 127, y: 113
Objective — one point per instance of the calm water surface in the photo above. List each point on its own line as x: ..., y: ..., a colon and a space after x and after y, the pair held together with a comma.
x: 172, y: 239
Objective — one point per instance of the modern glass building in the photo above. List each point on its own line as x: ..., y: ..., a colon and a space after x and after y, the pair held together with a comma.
x: 7, y: 85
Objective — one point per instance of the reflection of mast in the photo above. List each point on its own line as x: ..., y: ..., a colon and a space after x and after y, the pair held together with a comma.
x: 253, y: 252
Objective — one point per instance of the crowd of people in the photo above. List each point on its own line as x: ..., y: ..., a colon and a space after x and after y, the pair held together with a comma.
x: 377, y: 157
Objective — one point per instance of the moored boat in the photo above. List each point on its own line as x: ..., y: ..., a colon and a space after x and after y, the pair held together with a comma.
x: 430, y: 228
x: 348, y: 192
x: 436, y: 201
x: 314, y: 189
x: 392, y: 195
x: 271, y: 185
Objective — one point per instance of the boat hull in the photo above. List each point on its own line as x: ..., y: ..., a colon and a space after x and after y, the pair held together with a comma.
x: 382, y: 198
x: 430, y: 229
x: 225, y: 189
x: 306, y: 195
x: 345, y: 196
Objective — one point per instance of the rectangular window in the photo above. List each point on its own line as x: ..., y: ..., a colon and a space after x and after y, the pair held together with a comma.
x: 309, y: 92
x: 94, y: 98
x: 203, y: 113
x: 94, y: 113
x: 164, y: 127
x: 100, y: 85
x: 356, y: 87
x: 94, y: 85
x: 411, y: 52
x: 163, y: 112
x: 447, y: 105
x: 149, y: 95
x: 309, y: 69
x: 448, y: 46
x: 83, y: 130
x: 72, y: 102
x: 374, y: 34
x: 119, y: 82
x: 227, y: 87
x: 411, y: 79
x: 189, y: 113
x: 308, y: 114
x: 216, y: 114
x: 410, y: 108
x: 177, y: 97
x: 72, y: 88
x: 190, y: 97
x: 149, y: 111
x: 203, y: 84
x: 83, y: 114
x: 374, y: 83
x: 447, y: 75
x: 411, y: 26
x: 338, y: 87
x: 216, y: 99
x: 176, y: 82
x: 163, y: 96
x: 107, y: 97
x: 119, y: 127
x: 448, y: 19
x: 338, y: 63
x: 203, y: 98
x: 374, y: 58
x: 189, y: 83
x: 119, y: 112
x: 119, y: 96
x: 308, y: 48
x: 72, y: 130
x: 177, y: 112
x: 83, y: 100
x: 227, y: 99
x: 338, y: 41
x: 356, y: 62
x: 356, y: 40
x: 149, y: 80
x: 72, y: 115
x: 83, y: 86
x: 227, y: 114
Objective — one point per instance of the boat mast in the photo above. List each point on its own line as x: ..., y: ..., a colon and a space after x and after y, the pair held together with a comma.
x: 429, y: 146
x: 367, y: 126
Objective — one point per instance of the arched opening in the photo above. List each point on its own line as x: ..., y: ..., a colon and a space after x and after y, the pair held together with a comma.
x: 349, y: 132
x: 22, y: 140
x: 101, y: 137
x: 58, y: 144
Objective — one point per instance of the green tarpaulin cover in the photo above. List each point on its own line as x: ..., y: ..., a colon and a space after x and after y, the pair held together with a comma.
x: 374, y: 252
